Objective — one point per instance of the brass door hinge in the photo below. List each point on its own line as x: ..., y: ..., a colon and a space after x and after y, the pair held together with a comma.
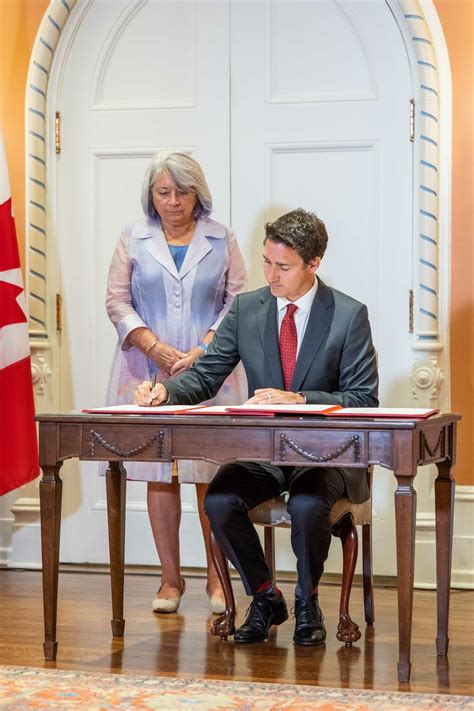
x: 410, y: 312
x: 57, y: 132
x: 59, y: 313
x: 412, y: 120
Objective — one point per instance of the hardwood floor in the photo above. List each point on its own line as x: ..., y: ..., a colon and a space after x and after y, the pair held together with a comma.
x: 180, y: 645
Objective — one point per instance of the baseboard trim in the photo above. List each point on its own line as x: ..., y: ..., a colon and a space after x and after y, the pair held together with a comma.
x: 5, y: 557
x: 461, y: 579
x: 284, y: 576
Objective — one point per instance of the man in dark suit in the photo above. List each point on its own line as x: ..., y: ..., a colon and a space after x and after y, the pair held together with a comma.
x: 299, y: 341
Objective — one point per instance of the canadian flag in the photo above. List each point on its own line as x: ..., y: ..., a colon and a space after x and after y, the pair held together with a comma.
x: 18, y: 444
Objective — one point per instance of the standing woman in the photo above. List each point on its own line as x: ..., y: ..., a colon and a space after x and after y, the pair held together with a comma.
x: 172, y: 278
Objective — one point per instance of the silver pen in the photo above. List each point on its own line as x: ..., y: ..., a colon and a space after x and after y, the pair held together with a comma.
x: 153, y: 383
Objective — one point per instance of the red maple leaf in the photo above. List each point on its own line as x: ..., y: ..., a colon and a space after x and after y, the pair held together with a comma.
x: 10, y: 312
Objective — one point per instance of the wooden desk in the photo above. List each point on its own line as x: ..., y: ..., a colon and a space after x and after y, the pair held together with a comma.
x: 400, y: 445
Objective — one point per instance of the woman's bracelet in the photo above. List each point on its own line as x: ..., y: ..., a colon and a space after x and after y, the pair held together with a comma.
x: 151, y: 346
x: 204, y: 346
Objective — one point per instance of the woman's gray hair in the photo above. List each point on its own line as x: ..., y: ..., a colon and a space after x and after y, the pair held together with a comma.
x: 186, y: 173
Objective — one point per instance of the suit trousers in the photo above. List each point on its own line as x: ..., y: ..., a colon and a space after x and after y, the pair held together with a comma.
x: 239, y: 487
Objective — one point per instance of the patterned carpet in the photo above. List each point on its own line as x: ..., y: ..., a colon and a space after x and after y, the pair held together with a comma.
x: 30, y: 688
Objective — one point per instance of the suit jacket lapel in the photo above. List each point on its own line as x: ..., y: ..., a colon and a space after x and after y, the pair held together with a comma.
x: 197, y: 250
x: 319, y: 320
x: 268, y: 330
x: 158, y: 248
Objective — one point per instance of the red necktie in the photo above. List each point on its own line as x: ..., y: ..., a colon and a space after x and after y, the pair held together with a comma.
x: 288, y: 344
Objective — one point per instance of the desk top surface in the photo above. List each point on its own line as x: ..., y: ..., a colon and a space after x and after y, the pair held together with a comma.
x: 310, y: 421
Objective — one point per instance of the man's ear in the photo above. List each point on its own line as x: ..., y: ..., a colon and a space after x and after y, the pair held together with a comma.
x: 314, y: 264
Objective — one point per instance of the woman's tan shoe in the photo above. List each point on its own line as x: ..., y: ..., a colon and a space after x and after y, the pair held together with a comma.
x: 216, y: 602
x: 168, y: 604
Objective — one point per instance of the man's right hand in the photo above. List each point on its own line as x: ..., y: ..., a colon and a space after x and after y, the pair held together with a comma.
x: 146, y: 396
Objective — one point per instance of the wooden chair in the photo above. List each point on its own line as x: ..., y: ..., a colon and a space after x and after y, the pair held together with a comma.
x: 345, y: 516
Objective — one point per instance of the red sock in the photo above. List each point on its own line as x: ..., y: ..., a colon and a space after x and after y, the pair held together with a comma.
x: 268, y: 588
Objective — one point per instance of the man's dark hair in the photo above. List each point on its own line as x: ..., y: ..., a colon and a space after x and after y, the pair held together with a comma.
x: 300, y: 230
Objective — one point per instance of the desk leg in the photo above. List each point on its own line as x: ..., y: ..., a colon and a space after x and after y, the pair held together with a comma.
x: 225, y: 624
x: 405, y: 520
x: 444, y: 503
x: 116, y: 497
x: 50, y: 507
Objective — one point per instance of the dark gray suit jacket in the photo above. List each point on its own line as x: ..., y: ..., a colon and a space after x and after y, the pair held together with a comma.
x: 336, y: 362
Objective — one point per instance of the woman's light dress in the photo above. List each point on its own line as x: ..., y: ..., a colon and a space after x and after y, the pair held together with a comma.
x: 145, y: 288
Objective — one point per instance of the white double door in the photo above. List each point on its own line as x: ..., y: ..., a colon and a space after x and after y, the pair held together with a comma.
x: 285, y: 104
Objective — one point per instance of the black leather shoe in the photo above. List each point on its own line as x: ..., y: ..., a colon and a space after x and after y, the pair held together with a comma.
x: 264, y: 611
x: 309, y: 628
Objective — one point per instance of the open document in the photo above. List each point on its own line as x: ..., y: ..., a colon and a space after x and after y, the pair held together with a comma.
x: 264, y: 410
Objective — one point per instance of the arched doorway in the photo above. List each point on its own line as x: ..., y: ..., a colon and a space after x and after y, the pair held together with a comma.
x: 274, y: 160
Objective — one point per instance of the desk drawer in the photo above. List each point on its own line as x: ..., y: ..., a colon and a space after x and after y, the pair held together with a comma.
x: 116, y: 442
x: 348, y: 448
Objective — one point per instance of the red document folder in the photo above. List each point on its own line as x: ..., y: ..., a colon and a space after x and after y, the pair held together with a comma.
x: 282, y: 409
x: 407, y: 413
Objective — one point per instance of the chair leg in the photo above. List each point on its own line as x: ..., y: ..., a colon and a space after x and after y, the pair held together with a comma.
x: 347, y: 630
x: 269, y: 548
x: 367, y: 573
x: 225, y: 624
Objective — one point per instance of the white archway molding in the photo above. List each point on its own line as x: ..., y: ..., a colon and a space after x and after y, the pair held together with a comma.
x: 427, y: 50
x: 39, y: 299
x: 41, y: 60
x: 427, y: 121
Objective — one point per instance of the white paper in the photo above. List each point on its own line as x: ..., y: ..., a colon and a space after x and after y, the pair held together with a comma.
x: 137, y: 410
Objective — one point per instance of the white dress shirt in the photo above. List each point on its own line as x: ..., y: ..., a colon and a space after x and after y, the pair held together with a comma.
x: 304, y: 304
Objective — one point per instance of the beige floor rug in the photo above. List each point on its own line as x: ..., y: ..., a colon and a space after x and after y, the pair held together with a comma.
x: 31, y: 688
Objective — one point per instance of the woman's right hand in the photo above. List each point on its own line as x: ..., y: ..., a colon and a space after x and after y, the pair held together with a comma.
x: 166, y: 356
